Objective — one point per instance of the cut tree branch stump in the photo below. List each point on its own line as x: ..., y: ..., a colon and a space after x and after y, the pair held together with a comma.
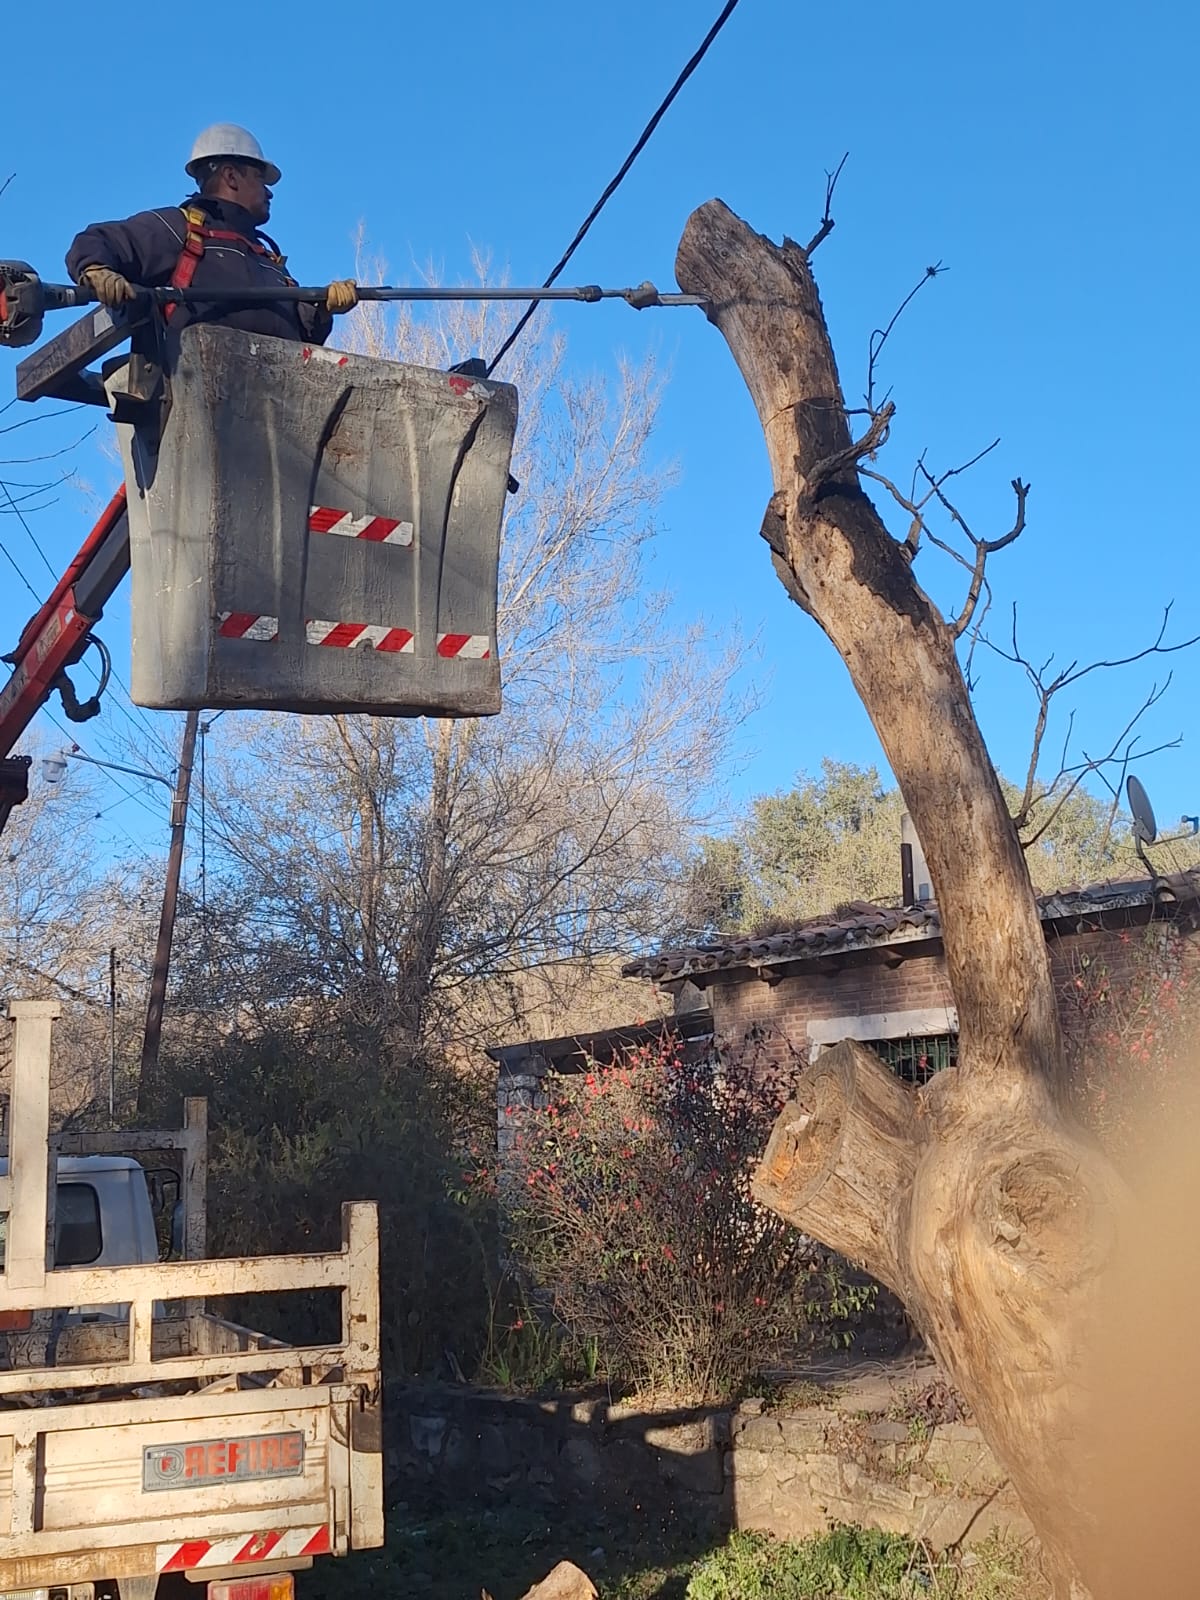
x: 842, y: 1158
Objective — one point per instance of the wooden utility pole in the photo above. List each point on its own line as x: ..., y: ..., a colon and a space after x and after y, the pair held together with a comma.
x: 112, y: 1036
x: 166, y: 924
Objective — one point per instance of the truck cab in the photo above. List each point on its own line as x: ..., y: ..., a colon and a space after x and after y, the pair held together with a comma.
x: 103, y: 1217
x: 102, y: 1213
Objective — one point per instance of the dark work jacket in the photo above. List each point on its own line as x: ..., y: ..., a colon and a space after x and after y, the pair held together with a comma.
x: 146, y: 248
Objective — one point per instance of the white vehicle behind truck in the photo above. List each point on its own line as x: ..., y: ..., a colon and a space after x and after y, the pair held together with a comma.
x: 144, y: 1441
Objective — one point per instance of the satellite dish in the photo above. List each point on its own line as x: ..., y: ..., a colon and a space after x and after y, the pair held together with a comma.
x: 1145, y: 829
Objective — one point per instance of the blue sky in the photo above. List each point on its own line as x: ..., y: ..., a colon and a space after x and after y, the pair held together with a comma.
x: 1043, y: 153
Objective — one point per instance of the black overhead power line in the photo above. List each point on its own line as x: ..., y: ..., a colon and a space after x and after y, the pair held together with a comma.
x: 130, y: 794
x: 642, y: 141
x: 20, y: 574
x: 24, y: 521
x: 137, y: 717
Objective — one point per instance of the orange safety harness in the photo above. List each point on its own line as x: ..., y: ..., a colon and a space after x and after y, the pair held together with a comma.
x: 195, y: 243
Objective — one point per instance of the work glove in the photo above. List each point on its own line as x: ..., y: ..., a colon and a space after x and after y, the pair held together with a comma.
x: 341, y: 296
x: 109, y: 287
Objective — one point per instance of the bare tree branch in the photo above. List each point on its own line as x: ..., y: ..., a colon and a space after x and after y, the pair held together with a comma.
x: 1047, y: 688
x: 983, y: 549
x: 914, y: 507
x: 880, y: 336
x: 833, y: 465
x: 1123, y: 760
x: 827, y: 223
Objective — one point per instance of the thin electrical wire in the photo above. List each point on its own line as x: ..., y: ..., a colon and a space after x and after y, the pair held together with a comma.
x: 642, y: 141
x: 21, y: 518
x: 4, y: 550
x: 42, y: 416
x: 112, y: 778
x: 103, y: 812
x: 134, y: 713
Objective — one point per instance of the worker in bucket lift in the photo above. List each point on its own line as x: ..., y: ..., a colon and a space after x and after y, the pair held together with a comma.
x: 213, y: 240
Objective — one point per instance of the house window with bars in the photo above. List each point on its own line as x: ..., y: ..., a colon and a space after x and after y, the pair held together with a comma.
x: 917, y: 1057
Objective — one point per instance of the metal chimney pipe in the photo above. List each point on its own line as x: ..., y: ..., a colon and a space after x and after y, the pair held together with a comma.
x: 915, y: 886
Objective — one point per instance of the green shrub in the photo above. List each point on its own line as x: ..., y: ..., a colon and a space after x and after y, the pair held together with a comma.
x: 1130, y: 1020
x: 628, y: 1205
x: 847, y: 1563
x: 303, y: 1118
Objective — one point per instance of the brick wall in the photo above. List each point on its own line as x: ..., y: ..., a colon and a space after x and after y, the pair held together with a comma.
x: 783, y: 1011
x: 791, y: 1010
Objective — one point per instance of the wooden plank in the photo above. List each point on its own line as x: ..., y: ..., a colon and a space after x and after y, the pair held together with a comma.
x: 55, y: 367
x: 42, y: 1571
x: 115, y: 1142
x: 23, y: 1497
x: 360, y: 1303
x: 195, y: 1179
x: 95, y: 1344
x: 123, y: 1374
x: 141, y: 1333
x: 177, y: 1280
x: 29, y: 1167
x: 172, y: 1409
x: 195, y: 1186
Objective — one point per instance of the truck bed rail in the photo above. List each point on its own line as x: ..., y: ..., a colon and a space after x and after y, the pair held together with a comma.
x: 353, y: 1270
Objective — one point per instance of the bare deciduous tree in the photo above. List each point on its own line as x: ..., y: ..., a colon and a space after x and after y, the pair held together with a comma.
x: 59, y: 917
x: 977, y: 1199
x: 421, y: 866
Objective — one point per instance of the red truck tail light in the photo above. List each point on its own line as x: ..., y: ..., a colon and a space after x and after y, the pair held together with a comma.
x: 279, y: 1586
x: 16, y: 1321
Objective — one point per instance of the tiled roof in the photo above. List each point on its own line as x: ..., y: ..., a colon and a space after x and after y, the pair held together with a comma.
x: 576, y: 1050
x: 862, y: 925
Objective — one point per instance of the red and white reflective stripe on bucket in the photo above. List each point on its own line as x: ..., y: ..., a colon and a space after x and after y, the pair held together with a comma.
x: 273, y: 1544
x: 464, y: 646
x: 377, y: 530
x: 355, y: 635
x: 247, y: 625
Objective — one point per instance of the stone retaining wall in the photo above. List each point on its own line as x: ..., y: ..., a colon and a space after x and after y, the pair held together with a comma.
x: 796, y: 1474
x: 790, y: 1471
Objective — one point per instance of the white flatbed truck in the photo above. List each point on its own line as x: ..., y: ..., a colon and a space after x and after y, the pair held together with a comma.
x: 145, y: 1443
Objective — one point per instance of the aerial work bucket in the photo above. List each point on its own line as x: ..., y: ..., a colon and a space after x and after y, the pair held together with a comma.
x: 314, y: 531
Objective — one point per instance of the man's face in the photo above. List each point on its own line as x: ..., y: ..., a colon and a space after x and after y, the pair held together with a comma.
x: 251, y: 191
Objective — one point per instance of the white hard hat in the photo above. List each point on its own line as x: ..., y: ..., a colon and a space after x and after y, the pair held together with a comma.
x: 226, y: 141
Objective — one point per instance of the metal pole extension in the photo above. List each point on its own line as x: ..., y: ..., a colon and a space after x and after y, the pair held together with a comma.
x: 643, y: 296
x: 166, y: 925
x: 60, y: 297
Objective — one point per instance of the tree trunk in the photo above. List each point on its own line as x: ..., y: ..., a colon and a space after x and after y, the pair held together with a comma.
x: 976, y: 1199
